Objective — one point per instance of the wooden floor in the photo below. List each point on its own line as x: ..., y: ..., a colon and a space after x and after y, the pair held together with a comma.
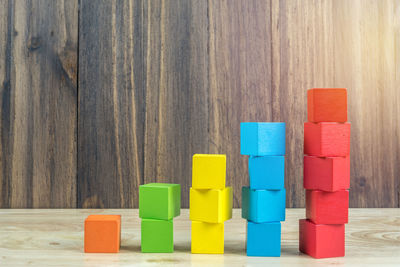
x: 55, y: 237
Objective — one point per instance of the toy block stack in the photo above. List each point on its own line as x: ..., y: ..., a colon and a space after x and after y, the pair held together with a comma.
x: 326, y: 174
x: 102, y: 234
x: 264, y: 201
x: 158, y: 205
x: 210, y: 203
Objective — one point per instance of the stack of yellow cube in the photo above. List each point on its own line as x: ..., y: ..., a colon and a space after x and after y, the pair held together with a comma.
x: 210, y: 203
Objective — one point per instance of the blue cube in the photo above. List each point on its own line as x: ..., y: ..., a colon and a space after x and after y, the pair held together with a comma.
x: 263, y: 239
x: 267, y: 172
x: 262, y: 138
x: 263, y: 205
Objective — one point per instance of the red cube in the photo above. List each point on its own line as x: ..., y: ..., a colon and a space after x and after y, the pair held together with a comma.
x: 327, y: 104
x: 327, y: 207
x: 327, y: 139
x: 321, y: 240
x: 327, y: 174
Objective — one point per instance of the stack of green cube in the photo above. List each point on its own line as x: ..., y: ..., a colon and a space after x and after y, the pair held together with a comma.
x: 158, y: 205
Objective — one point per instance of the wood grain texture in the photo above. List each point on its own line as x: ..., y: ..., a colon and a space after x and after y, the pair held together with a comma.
x: 143, y: 97
x: 239, y: 77
x: 351, y: 45
x: 5, y: 75
x: 161, y: 80
x: 365, y: 61
x: 48, y: 237
x: 38, y: 103
x: 110, y: 104
x: 176, y: 90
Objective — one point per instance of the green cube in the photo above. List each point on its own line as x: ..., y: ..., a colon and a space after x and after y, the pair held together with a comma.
x: 157, y: 236
x: 159, y: 201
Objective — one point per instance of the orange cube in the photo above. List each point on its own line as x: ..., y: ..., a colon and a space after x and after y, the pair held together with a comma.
x: 327, y: 105
x: 102, y: 233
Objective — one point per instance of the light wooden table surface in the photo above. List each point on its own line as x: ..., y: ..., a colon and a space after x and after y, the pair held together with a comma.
x: 55, y: 237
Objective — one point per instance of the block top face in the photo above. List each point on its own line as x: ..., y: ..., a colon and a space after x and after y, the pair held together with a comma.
x: 161, y: 185
x: 262, y: 138
x: 159, y: 201
x: 209, y: 171
x: 327, y: 105
x: 103, y: 218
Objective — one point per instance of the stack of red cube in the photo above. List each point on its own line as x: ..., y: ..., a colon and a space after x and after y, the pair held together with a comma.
x: 326, y: 173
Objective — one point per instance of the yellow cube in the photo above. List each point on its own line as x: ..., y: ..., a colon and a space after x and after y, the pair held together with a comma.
x: 207, y: 238
x: 211, y: 205
x: 209, y: 171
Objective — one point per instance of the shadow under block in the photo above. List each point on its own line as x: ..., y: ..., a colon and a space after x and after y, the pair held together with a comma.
x: 267, y: 172
x: 327, y: 105
x: 327, y: 207
x: 327, y: 174
x: 207, y: 238
x: 263, y: 205
x: 102, y: 233
x: 321, y: 240
x: 157, y: 236
x: 211, y: 205
x: 159, y: 201
x: 209, y: 171
x: 263, y: 239
x: 327, y: 139
x: 262, y: 138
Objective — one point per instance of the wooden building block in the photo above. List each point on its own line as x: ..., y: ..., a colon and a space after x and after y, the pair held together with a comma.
x: 211, y: 205
x: 321, y: 240
x: 327, y: 105
x: 207, y: 238
x: 261, y: 206
x: 327, y: 139
x: 102, y: 233
x: 159, y: 201
x: 157, y: 236
x: 327, y: 174
x: 267, y: 172
x: 327, y: 207
x: 263, y: 239
x: 262, y: 138
x: 209, y: 171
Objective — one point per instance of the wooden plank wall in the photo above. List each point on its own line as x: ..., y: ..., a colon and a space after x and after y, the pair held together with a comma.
x: 38, y: 97
x: 98, y: 97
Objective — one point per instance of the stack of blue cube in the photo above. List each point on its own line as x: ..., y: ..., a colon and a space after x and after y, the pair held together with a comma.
x: 264, y: 201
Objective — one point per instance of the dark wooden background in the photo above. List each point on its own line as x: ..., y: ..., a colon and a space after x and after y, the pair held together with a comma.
x: 98, y: 97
